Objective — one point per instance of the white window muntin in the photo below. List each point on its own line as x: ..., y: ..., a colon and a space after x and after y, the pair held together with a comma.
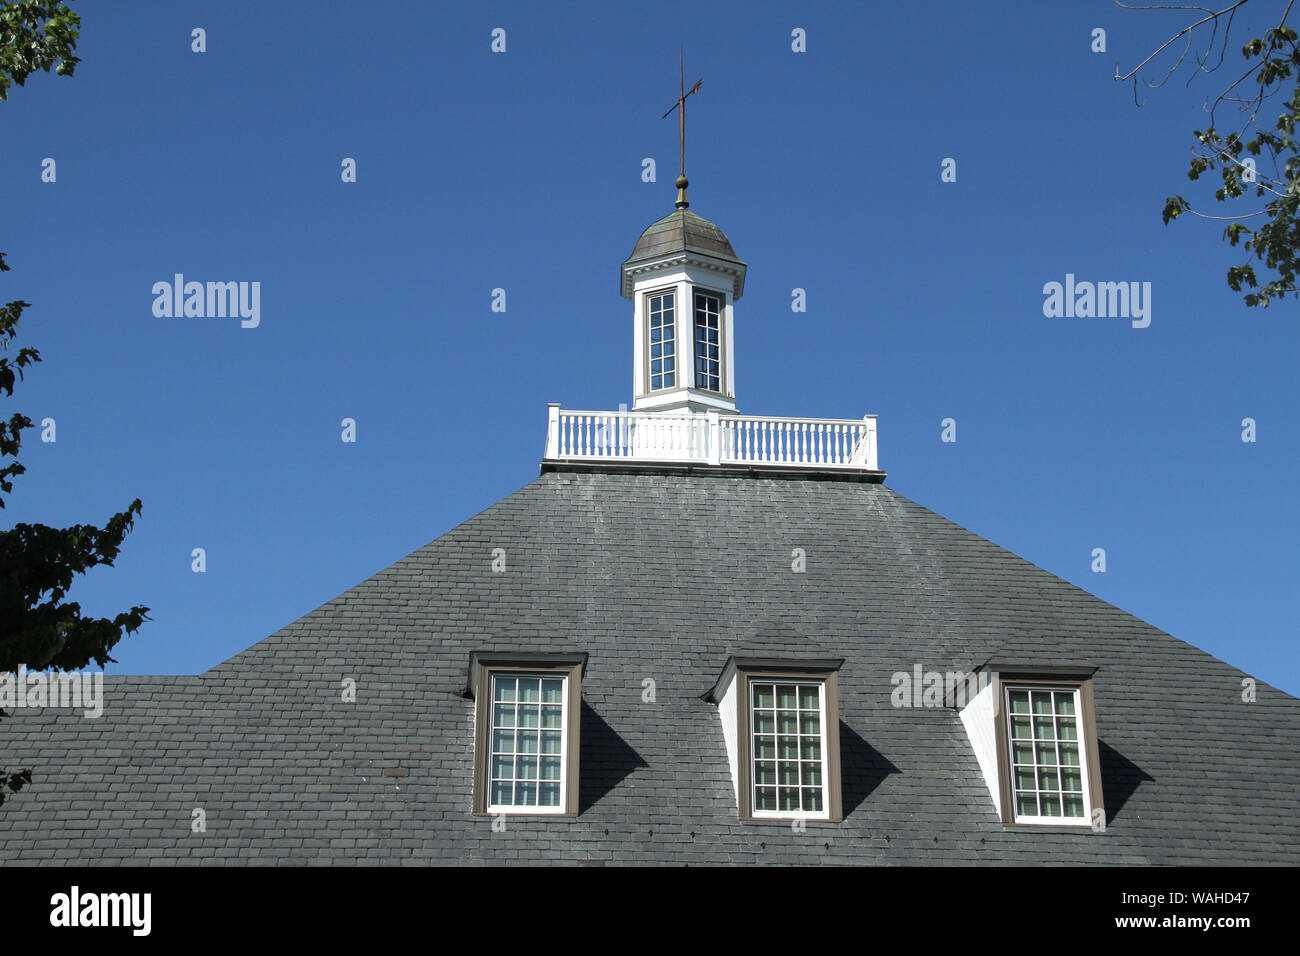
x: 708, y: 314
x: 754, y: 749
x: 661, y: 340
x: 527, y: 743
x: 1081, y: 797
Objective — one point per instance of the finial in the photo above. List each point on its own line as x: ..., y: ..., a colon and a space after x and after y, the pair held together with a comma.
x: 680, y: 106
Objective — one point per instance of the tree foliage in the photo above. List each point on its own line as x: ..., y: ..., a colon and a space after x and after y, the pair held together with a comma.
x: 36, y: 35
x: 38, y: 627
x: 1255, y: 154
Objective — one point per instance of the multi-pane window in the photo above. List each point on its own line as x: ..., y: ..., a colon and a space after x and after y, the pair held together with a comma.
x: 787, y: 722
x: 663, y: 341
x: 708, y: 364
x: 1047, y: 759
x: 526, y: 761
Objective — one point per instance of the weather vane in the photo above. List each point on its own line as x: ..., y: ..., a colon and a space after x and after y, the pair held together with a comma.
x: 680, y: 106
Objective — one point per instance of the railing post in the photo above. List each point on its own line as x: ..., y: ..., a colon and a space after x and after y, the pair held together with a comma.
x: 552, y: 429
x: 715, y: 438
x: 870, y: 422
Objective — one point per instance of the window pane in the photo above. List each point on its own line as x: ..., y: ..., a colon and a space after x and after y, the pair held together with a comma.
x: 765, y: 798
x: 526, y: 794
x: 810, y: 723
x: 501, y: 792
x: 764, y: 772
x: 503, y: 768
x: 813, y: 801
x: 526, y: 741
x: 765, y: 747
x: 550, y: 742
x: 505, y: 688
x: 527, y: 715
x: 550, y: 768
x: 787, y: 722
x: 528, y: 689
x: 809, y: 698
x: 764, y: 722
x: 549, y: 795
x: 526, y: 768
x: 811, y: 748
x: 503, y: 741
x: 1047, y: 776
x: 812, y: 774
x: 503, y: 715
x: 785, y: 696
x: 789, y: 798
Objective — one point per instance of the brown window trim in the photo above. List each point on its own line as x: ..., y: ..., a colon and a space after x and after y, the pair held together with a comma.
x: 827, y: 673
x: 1079, y: 678
x: 482, y: 667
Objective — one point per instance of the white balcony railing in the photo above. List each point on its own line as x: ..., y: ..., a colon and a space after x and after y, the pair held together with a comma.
x: 712, y: 439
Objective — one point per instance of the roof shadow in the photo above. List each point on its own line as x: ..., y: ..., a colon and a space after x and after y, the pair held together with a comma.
x: 862, y: 768
x: 606, y: 759
x: 1120, y: 778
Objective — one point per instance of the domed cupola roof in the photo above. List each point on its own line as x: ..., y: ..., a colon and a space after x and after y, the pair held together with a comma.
x: 682, y: 232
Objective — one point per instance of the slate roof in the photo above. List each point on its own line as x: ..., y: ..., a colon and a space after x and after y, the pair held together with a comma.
x: 682, y: 231
x: 658, y: 576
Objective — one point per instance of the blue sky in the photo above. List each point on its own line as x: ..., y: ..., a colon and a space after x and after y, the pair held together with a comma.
x: 522, y: 171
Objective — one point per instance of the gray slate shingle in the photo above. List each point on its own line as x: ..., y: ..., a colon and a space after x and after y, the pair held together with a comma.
x: 658, y: 576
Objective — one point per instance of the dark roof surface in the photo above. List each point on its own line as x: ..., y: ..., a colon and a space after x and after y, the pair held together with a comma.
x: 682, y: 231
x: 662, y: 577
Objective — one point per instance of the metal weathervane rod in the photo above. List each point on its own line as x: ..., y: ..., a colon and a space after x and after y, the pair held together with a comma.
x: 680, y: 106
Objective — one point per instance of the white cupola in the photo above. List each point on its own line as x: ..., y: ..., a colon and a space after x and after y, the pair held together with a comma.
x: 684, y: 279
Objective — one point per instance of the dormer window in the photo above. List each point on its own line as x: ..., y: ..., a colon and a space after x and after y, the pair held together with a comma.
x: 526, y: 742
x: 780, y: 722
x: 662, y: 319
x: 1035, y: 737
x: 1048, y: 775
x: 708, y: 341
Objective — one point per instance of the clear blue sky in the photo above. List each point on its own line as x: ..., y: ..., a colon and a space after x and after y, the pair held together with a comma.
x: 523, y: 171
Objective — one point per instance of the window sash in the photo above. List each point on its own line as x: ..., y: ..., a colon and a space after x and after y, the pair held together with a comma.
x: 708, y: 341
x: 1047, y: 746
x: 661, y: 341
x: 527, y: 742
x: 769, y: 770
